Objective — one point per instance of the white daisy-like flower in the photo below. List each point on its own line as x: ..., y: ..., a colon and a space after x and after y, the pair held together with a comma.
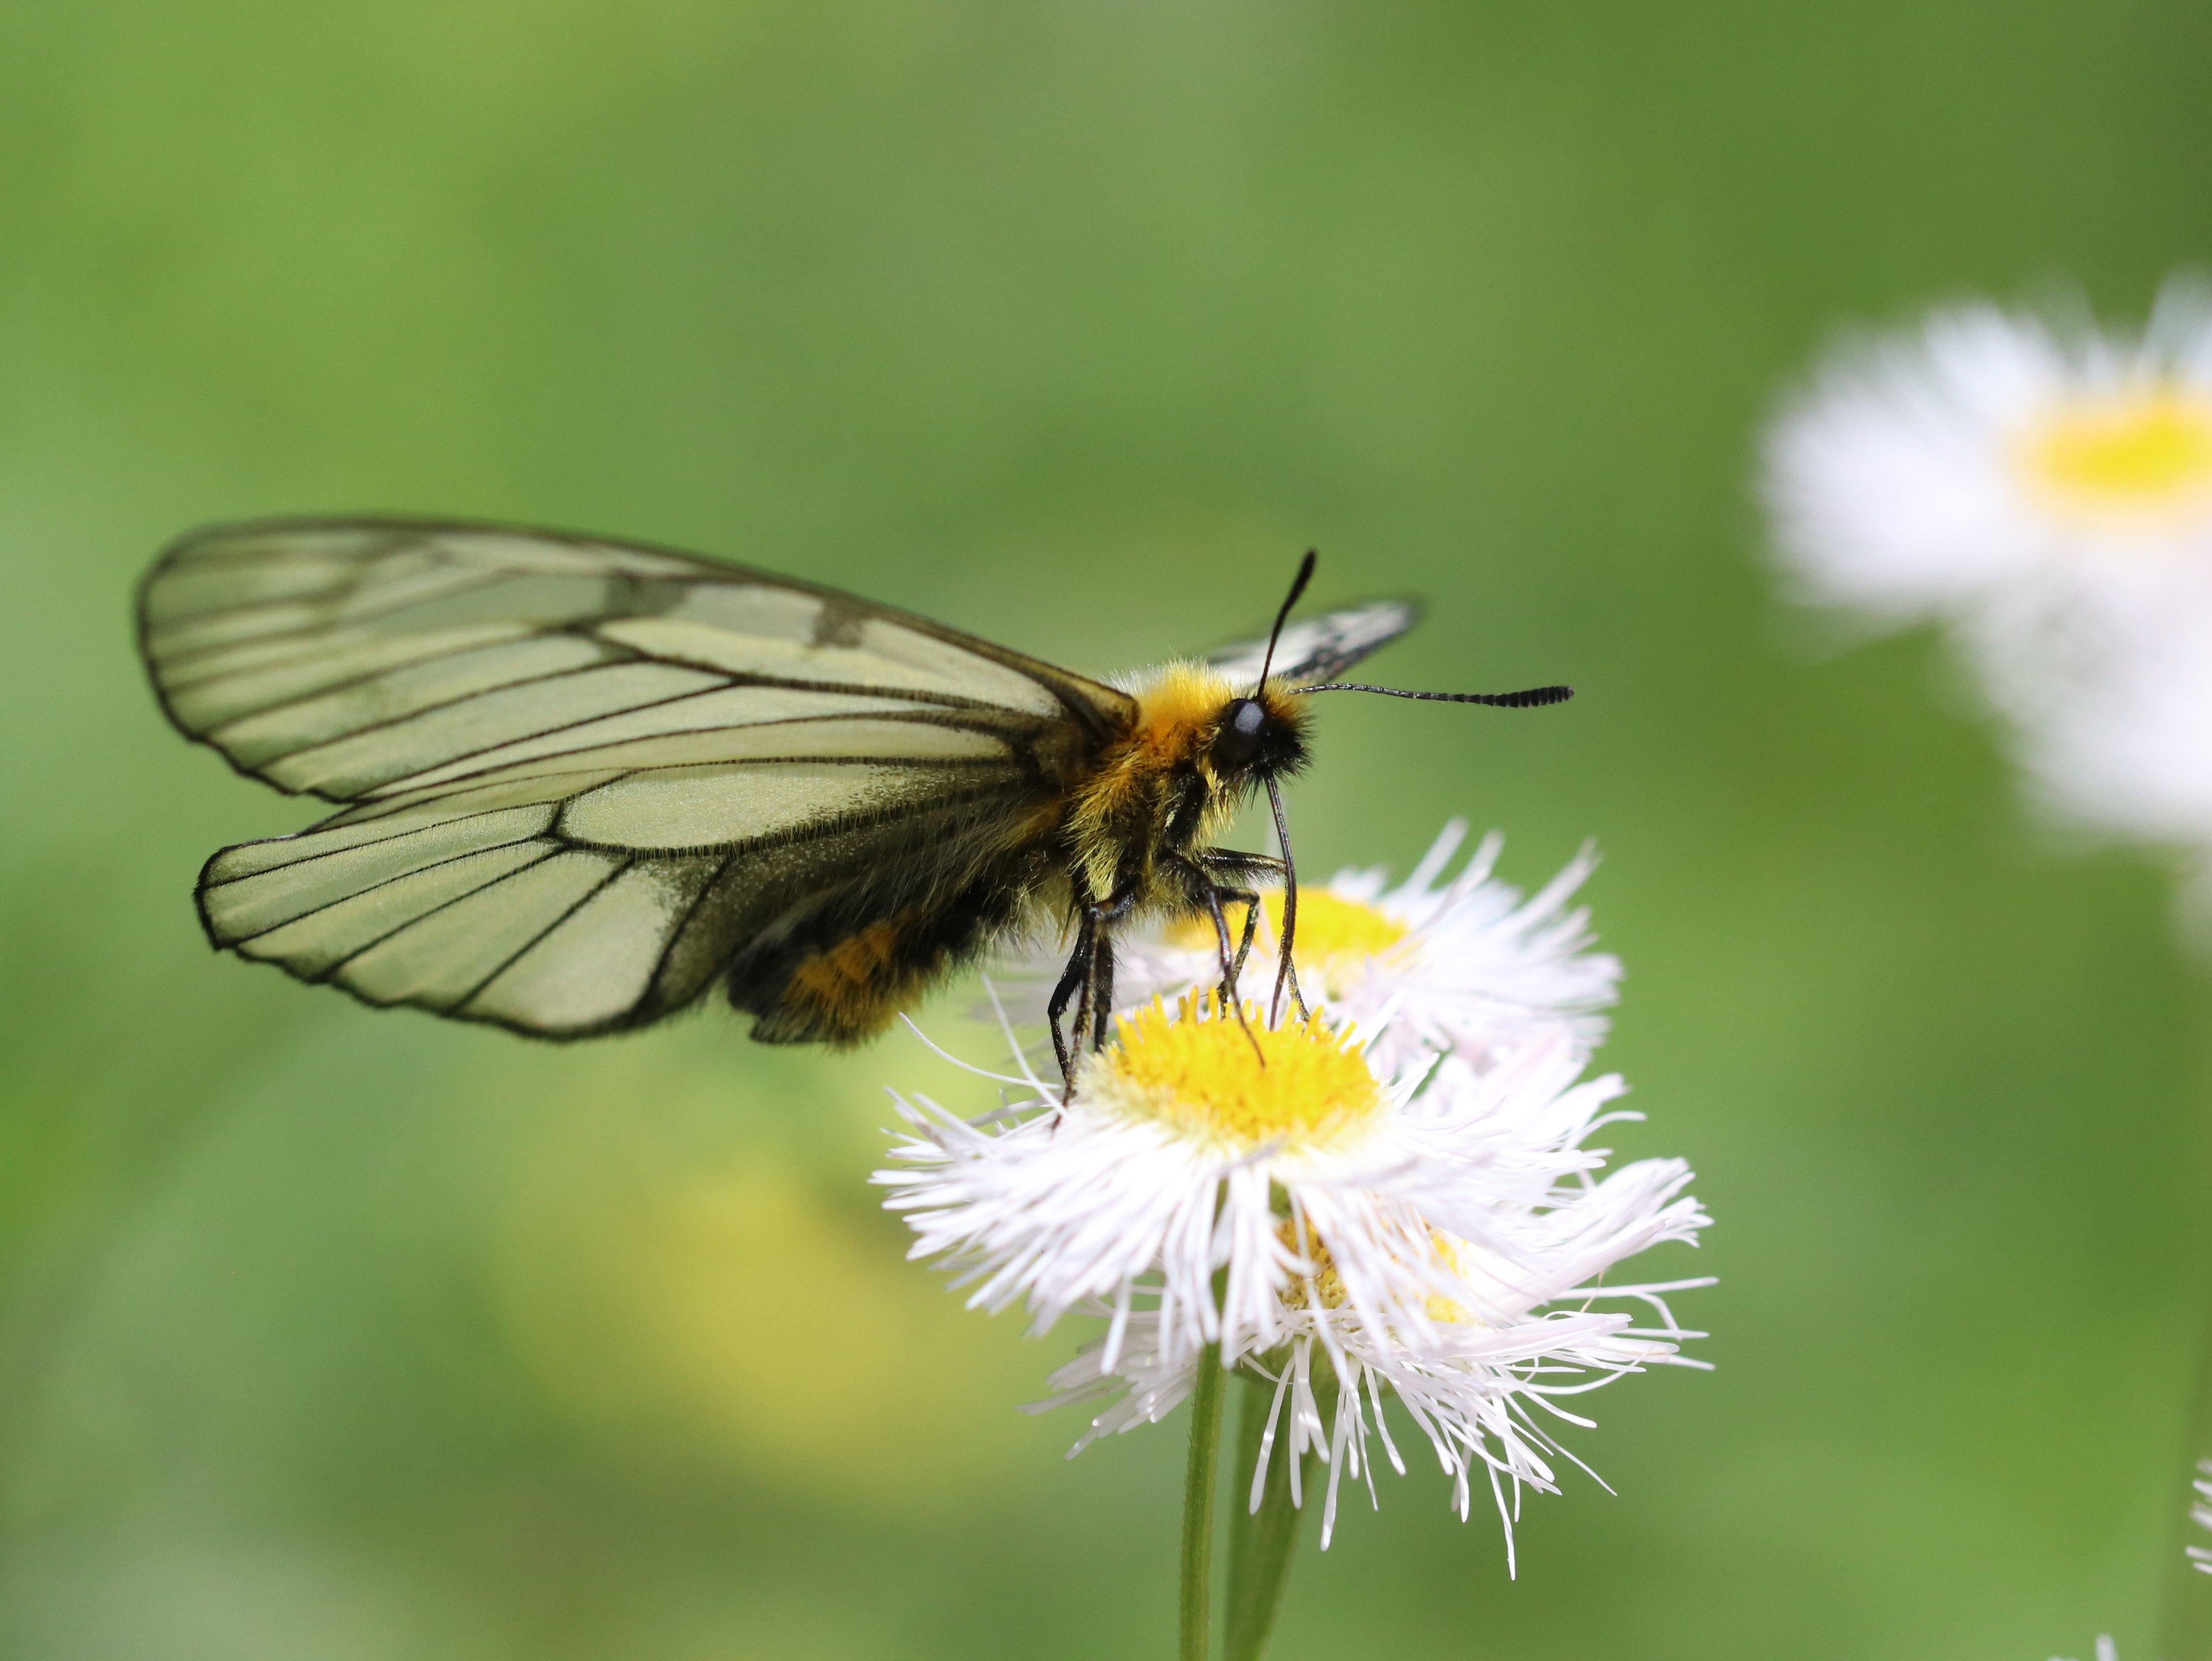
x: 2045, y: 488
x: 2128, y: 748
x: 1994, y: 459
x: 1465, y: 967
x: 1269, y: 1190
x: 2200, y: 1557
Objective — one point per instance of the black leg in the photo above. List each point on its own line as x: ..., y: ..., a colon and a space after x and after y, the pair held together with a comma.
x: 1078, y: 972
x: 1214, y: 893
x: 1097, y: 1000
x: 1285, y: 970
x: 1230, y: 865
x: 1101, y: 975
x: 1218, y: 900
x: 1079, y: 1030
x: 1216, y: 862
x: 1250, y: 901
x: 1123, y: 903
x: 1088, y: 980
x: 1228, y: 967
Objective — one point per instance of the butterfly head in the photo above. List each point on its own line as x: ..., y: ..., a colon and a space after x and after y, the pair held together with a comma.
x: 1261, y: 736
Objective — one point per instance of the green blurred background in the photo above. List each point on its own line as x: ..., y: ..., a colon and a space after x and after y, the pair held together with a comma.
x: 330, y: 1333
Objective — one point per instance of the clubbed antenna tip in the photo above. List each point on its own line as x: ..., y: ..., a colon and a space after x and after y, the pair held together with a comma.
x: 1532, y: 697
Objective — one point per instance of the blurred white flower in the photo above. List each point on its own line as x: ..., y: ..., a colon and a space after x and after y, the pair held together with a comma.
x: 2200, y: 1557
x: 1993, y: 460
x: 2106, y: 1651
x: 1464, y: 968
x: 2045, y: 488
x: 2127, y: 746
x: 1271, y: 1192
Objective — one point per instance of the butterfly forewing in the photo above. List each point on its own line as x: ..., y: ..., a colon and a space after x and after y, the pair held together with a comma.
x: 586, y: 778
x: 1320, y: 648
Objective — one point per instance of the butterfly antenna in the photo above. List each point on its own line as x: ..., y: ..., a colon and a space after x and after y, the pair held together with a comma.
x: 1297, y: 586
x: 1285, y: 971
x: 1532, y: 697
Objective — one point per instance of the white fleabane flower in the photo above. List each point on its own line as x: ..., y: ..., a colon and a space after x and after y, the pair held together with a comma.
x: 1270, y: 1191
x: 2045, y: 488
x: 2128, y: 748
x: 2002, y: 462
x: 2200, y: 1557
x: 1466, y: 968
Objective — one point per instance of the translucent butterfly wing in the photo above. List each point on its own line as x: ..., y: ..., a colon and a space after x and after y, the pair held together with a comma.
x: 1321, y: 648
x: 582, y: 776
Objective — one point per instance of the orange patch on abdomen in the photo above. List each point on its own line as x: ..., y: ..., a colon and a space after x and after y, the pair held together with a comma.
x: 853, y: 989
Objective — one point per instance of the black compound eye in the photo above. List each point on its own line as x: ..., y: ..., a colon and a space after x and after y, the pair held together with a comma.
x: 1239, y: 741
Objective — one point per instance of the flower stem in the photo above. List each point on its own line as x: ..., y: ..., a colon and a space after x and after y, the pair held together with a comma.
x: 2186, y: 1625
x: 1198, y: 1507
x: 1261, y: 1543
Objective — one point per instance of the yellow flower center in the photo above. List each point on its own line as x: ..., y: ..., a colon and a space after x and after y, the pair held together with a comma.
x: 1328, y: 1286
x: 1196, y: 1070
x: 1336, y: 935
x: 2146, y: 447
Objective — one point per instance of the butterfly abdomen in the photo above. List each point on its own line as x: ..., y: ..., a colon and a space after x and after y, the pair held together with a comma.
x: 838, y: 971
x: 852, y: 990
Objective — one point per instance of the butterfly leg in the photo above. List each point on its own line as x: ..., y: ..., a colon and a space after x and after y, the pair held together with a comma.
x: 1101, y: 991
x: 1088, y: 980
x: 1213, y: 894
x: 1078, y: 973
x: 1224, y: 861
x: 1102, y: 979
x: 1199, y: 872
x: 1250, y: 901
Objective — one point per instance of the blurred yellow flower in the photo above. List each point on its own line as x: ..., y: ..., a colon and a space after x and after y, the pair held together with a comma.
x: 735, y: 1314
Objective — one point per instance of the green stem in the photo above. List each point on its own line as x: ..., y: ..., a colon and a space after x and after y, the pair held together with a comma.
x: 2185, y: 1632
x: 1262, y: 1543
x: 1198, y: 1507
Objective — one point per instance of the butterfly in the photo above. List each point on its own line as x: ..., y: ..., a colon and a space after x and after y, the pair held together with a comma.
x: 579, y: 781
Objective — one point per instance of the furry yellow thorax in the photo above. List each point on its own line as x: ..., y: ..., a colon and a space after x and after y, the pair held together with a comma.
x: 1127, y: 801
x: 1179, y: 710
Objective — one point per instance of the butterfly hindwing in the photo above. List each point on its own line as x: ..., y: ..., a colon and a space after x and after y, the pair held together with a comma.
x: 503, y: 914
x: 585, y: 779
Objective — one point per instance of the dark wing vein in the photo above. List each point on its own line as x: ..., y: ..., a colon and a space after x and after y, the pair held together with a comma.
x: 532, y: 944
x: 408, y: 875
x: 306, y: 631
x: 524, y: 737
x: 369, y: 678
x: 424, y: 915
x: 678, y: 927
